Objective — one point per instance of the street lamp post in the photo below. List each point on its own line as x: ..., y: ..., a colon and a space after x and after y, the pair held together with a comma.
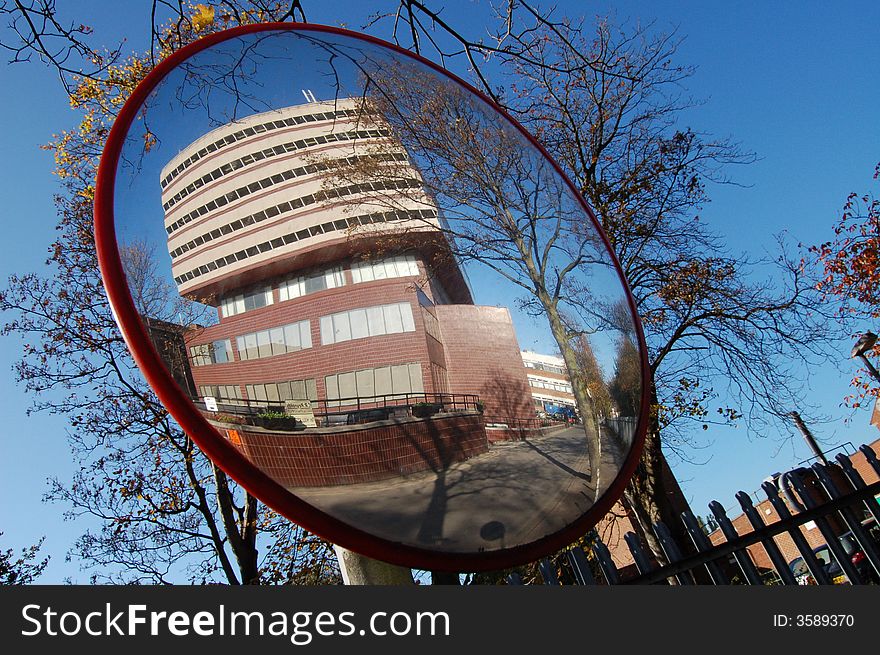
x: 863, y: 345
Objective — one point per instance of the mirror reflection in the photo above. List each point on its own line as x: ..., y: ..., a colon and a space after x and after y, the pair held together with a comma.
x: 379, y: 291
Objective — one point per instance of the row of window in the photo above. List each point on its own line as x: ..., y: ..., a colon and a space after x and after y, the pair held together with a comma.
x: 366, y: 383
x: 275, y: 341
x: 341, y: 225
x: 273, y: 392
x: 228, y: 394
x: 540, y: 383
x: 367, y: 322
x: 267, y: 182
x: 302, y: 285
x: 370, y: 382
x: 550, y: 368
x: 245, y: 302
x: 335, y: 328
x: 216, y: 352
x: 251, y: 131
x: 280, y: 149
x: 291, y: 205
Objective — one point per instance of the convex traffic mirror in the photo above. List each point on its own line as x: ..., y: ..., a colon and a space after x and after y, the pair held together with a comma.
x: 371, y: 297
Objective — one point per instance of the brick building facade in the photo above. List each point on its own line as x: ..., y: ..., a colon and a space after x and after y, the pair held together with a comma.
x: 321, y: 292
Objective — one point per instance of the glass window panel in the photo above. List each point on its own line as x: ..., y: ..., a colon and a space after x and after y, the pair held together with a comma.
x: 276, y: 336
x: 291, y: 337
x: 359, y: 326
x: 341, y: 327
x: 347, y: 386
x: 376, y: 320
x: 327, y: 330
x: 242, y: 350
x: 390, y: 267
x: 407, y: 317
x: 260, y: 392
x: 311, y: 389
x: 356, y: 274
x: 331, y: 383
x: 415, y: 378
x: 400, y: 379
x: 239, y: 304
x: 364, y: 380
x: 315, y: 283
x: 272, y: 393
x: 379, y: 271
x: 263, y: 344
x: 283, y: 293
x: 383, y: 381
x: 297, y: 389
x: 305, y: 334
x: 393, y: 322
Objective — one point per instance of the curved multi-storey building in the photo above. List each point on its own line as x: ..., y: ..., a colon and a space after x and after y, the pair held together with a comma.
x: 323, y: 291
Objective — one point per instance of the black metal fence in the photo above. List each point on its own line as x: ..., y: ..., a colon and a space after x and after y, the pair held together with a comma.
x: 833, y: 499
x: 355, y: 410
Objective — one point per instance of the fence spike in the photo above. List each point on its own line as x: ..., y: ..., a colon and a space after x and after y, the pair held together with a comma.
x: 672, y: 551
x: 643, y: 563
x: 548, y: 572
x: 581, y: 566
x: 858, y: 482
x: 757, y: 521
x: 609, y: 570
x: 702, y: 544
x: 742, y: 556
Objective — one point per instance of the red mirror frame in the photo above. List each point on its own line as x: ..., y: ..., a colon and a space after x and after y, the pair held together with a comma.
x: 224, y: 454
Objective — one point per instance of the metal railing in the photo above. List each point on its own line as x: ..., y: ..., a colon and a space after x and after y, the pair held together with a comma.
x: 357, y: 409
x: 834, y: 499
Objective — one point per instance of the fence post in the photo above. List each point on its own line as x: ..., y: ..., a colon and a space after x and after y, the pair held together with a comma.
x: 643, y: 564
x: 672, y: 552
x: 746, y: 565
x: 605, y: 562
x: 770, y: 546
x: 702, y: 544
x: 869, y: 454
x: 858, y: 482
x: 813, y: 565
x: 581, y: 566
x: 548, y: 572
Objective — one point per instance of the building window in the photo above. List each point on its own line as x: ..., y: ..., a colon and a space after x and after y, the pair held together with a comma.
x: 367, y: 322
x: 245, y: 302
x: 303, y: 285
x: 540, y: 383
x: 225, y: 394
x: 278, y: 392
x: 275, y: 341
x: 550, y: 368
x: 386, y: 381
x: 400, y: 266
x: 216, y: 352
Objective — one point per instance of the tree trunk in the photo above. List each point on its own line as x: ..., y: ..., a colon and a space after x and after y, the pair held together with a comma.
x: 359, y: 570
x: 654, y: 495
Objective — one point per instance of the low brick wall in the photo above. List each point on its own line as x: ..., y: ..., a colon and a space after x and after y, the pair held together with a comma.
x: 323, y: 457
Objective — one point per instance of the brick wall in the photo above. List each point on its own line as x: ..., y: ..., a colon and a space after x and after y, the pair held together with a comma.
x: 483, y: 357
x: 354, y: 454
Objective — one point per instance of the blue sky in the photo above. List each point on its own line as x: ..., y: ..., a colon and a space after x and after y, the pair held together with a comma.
x: 793, y: 82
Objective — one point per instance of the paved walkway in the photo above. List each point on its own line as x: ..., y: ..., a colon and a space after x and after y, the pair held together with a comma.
x: 516, y: 493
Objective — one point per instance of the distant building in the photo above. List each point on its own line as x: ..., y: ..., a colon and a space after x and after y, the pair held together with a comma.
x: 549, y: 383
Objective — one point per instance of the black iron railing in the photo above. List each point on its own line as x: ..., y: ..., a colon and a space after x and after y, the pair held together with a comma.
x: 356, y: 410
